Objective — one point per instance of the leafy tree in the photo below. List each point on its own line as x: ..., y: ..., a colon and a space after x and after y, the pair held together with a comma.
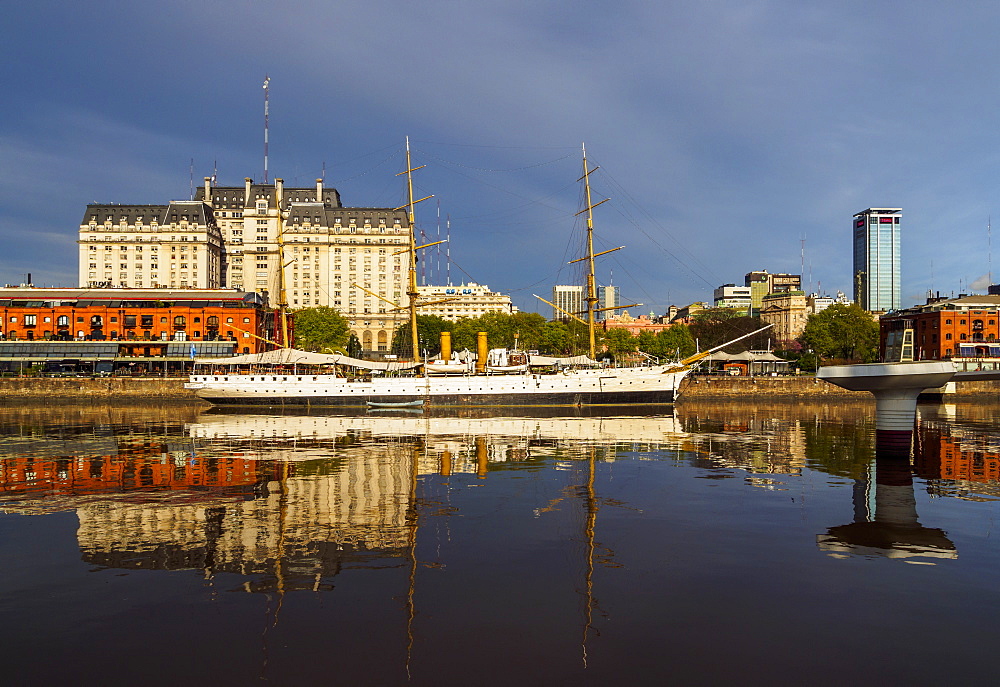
x: 842, y: 331
x: 320, y: 328
x: 677, y: 338
x: 619, y: 342
x: 718, y: 325
x: 354, y: 346
x: 429, y: 328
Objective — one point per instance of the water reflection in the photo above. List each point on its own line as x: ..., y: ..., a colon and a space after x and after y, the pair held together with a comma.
x: 449, y: 521
x: 289, y: 500
x: 885, y: 518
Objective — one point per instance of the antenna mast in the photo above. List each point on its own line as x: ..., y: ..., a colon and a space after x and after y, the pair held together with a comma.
x: 191, y: 181
x: 267, y: 82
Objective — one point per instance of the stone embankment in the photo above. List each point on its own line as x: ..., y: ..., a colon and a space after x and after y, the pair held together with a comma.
x: 171, y: 390
x: 807, y: 388
x: 100, y: 390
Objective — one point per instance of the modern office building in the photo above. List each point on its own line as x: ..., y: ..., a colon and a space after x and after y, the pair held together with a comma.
x: 876, y: 259
x: 762, y: 283
x: 732, y: 296
x: 336, y: 256
x: 607, y: 297
x: 567, y: 298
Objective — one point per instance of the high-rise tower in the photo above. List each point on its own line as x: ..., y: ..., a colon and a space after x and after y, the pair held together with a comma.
x: 876, y: 259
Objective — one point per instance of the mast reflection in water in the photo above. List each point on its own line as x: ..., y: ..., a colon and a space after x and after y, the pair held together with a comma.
x: 400, y: 548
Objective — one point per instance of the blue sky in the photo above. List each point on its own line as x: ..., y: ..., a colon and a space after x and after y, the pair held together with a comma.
x: 727, y: 132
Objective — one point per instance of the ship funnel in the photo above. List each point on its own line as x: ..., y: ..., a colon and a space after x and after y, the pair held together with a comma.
x: 482, y: 351
x: 446, y: 346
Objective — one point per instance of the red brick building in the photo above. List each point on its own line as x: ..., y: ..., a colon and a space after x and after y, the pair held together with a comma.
x: 149, y: 330
x: 965, y: 329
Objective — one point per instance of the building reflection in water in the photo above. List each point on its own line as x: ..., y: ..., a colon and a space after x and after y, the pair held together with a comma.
x: 287, y: 502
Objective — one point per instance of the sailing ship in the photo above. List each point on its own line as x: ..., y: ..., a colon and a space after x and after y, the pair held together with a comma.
x: 498, y: 378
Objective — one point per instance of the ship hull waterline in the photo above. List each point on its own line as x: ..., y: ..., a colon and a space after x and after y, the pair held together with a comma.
x: 514, y: 391
x: 462, y: 400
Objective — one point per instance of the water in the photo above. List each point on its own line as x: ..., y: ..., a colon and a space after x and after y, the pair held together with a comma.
x: 710, y: 544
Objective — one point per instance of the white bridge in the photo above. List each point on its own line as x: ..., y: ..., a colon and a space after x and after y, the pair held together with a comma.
x: 896, y: 387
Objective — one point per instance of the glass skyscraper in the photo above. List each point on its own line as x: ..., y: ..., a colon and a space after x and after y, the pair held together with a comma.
x: 876, y: 259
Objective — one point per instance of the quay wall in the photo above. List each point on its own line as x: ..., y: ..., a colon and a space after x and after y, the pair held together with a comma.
x: 171, y: 390
x: 104, y: 390
x: 765, y: 388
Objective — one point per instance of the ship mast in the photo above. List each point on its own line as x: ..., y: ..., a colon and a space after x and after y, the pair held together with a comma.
x: 282, y: 292
x: 591, y: 286
x: 412, y: 283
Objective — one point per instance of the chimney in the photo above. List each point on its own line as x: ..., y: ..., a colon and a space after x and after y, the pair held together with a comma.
x: 246, y: 196
x: 208, y: 190
x: 319, y: 190
x: 279, y: 187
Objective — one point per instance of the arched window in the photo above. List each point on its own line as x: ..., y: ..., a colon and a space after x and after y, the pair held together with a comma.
x: 212, y: 322
x: 63, y: 321
x: 180, y: 321
x: 96, y: 321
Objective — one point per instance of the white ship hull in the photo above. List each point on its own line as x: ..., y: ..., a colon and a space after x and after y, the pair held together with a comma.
x: 610, y: 386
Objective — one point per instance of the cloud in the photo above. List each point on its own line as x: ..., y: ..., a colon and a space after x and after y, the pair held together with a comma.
x: 981, y: 283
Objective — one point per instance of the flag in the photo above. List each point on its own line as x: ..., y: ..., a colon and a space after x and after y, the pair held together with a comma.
x: 193, y: 351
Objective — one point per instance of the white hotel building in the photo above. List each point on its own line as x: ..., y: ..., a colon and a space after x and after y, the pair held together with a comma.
x: 227, y: 237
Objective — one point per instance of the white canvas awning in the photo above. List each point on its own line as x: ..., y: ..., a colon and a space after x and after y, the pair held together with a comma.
x: 572, y: 360
x: 293, y: 356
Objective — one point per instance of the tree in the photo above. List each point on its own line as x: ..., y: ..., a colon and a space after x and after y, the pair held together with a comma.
x: 320, y: 328
x: 842, y: 331
x: 677, y: 339
x: 429, y: 328
x: 718, y: 325
x: 619, y: 342
x: 354, y: 346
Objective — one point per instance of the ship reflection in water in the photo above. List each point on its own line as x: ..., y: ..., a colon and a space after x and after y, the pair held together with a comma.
x: 564, y: 543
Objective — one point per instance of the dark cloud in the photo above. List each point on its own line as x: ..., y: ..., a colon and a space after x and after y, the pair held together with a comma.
x: 728, y: 131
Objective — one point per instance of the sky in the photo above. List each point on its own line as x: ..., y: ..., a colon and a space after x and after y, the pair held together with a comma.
x: 730, y: 136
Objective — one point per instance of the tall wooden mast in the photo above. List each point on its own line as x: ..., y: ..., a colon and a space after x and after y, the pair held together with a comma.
x: 282, y: 291
x: 591, y: 283
x: 412, y: 282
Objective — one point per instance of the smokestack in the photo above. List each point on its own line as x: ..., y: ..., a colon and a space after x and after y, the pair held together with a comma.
x: 482, y: 351
x: 208, y: 190
x: 319, y: 190
x: 246, y: 193
x: 279, y: 187
x: 446, y: 346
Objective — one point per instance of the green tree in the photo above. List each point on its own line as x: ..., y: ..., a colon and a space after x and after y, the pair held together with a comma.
x: 429, y: 328
x: 677, y: 339
x: 620, y: 342
x: 320, y: 328
x: 716, y: 326
x: 354, y: 346
x: 845, y: 332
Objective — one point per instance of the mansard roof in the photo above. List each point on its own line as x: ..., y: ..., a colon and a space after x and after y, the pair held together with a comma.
x: 100, y: 212
x: 235, y: 196
x: 195, y: 211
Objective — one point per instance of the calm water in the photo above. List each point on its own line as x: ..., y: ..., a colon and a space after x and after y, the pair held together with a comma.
x: 712, y: 544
